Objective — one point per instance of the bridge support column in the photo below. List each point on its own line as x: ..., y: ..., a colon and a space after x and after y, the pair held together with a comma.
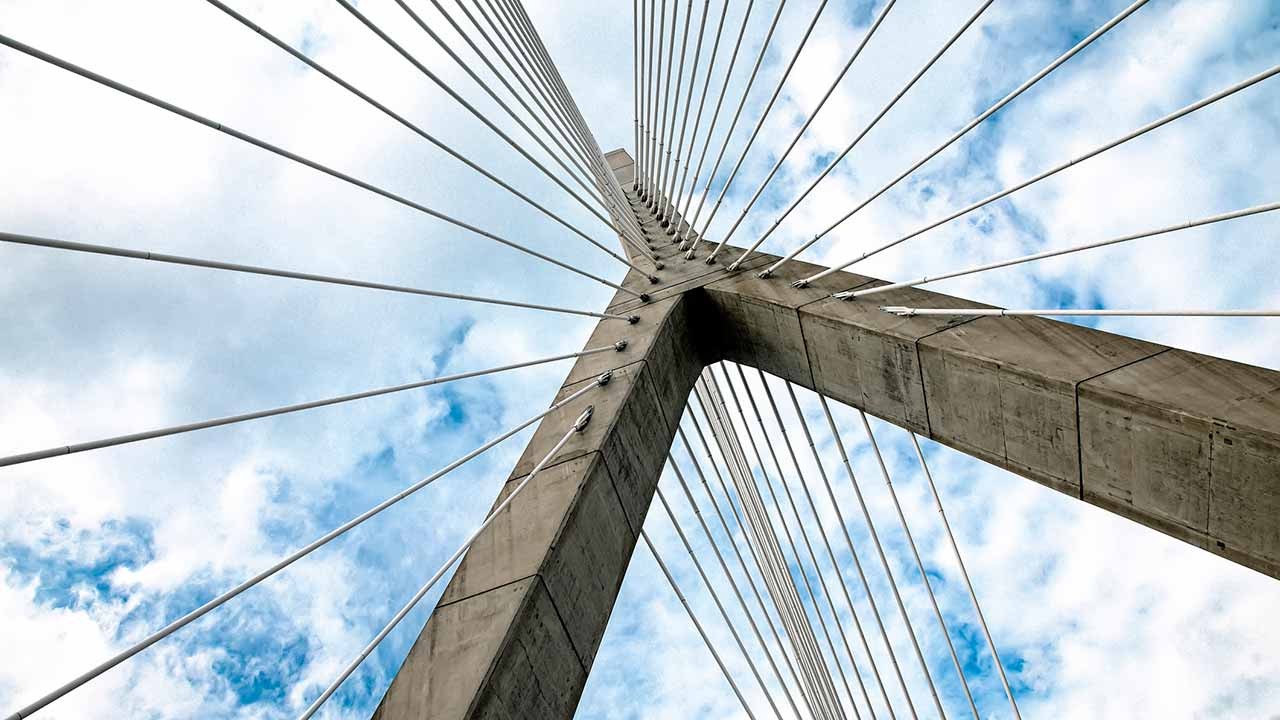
x: 1185, y: 444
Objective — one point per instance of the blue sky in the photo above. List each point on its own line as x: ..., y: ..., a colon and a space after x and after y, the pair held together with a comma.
x: 98, y: 548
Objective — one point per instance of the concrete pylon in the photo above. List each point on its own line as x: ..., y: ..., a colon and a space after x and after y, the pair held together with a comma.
x: 1180, y: 442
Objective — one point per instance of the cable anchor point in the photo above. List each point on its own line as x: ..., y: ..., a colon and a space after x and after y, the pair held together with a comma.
x: 581, y: 423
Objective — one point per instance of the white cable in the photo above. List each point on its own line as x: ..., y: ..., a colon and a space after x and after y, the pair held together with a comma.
x: 764, y: 545
x: 349, y: 7
x: 582, y: 158
x: 199, y: 612
x: 716, y: 598
x: 269, y: 147
x: 652, y: 87
x: 525, y: 34
x: 777, y: 91
x: 817, y: 461
x: 778, y: 579
x: 724, y: 147
x: 821, y: 667
x: 804, y: 536
x: 412, y: 127
x: 924, y: 575
x: 669, y: 217
x: 822, y: 533
x: 1269, y: 207
x: 668, y: 178
x: 230, y: 419
x: 697, y: 625
x: 292, y: 275
x: 724, y: 567
x: 597, y: 196
x: 1055, y: 170
x: 972, y: 124
x: 635, y: 86
x: 700, y: 391
x: 575, y: 160
x: 697, y: 122
x: 591, y: 164
x: 955, y: 549
x: 715, y: 117
x: 804, y: 127
x: 831, y: 165
x: 663, y: 155
x: 853, y: 480
x: 982, y: 312
x: 642, y: 95
x: 570, y: 104
x: 577, y: 427
x: 521, y: 32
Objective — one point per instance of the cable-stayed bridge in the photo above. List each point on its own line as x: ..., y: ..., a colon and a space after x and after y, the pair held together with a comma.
x: 716, y: 366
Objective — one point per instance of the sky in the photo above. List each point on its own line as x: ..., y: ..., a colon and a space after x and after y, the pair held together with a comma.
x: 1093, y: 615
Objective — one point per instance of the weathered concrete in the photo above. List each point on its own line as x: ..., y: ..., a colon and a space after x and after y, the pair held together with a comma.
x: 1188, y: 444
x: 517, y: 628
x: 1182, y: 443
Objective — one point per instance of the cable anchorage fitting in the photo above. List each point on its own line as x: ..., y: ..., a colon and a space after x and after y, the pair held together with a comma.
x: 604, y: 378
x: 620, y: 345
x: 581, y: 423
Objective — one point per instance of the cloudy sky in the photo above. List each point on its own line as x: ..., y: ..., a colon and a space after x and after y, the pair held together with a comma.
x: 1094, y: 616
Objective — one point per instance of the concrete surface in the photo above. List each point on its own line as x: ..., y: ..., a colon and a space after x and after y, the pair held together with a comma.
x: 1185, y: 444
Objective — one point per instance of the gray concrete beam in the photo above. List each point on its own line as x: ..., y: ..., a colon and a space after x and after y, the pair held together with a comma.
x: 519, y: 623
x: 1185, y: 444
x: 1188, y: 443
